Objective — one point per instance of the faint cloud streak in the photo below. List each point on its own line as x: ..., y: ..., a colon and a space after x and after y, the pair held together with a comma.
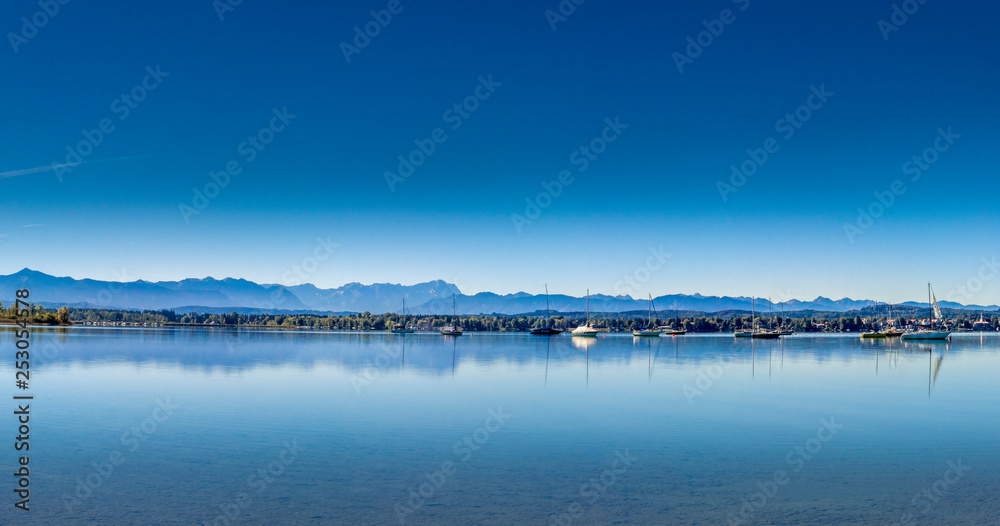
x: 37, y: 169
x: 54, y: 166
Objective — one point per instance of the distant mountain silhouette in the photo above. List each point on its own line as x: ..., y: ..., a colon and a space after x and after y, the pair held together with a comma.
x: 207, y: 292
x: 432, y: 297
x: 378, y: 297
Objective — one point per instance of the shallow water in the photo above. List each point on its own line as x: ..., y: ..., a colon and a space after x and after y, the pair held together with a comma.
x: 337, y: 428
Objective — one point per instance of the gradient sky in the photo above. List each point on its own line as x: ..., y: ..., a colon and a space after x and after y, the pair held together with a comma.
x: 781, y: 234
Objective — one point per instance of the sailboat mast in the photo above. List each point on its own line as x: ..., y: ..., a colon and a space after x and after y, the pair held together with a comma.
x: 547, y: 310
x: 930, y: 306
x: 650, y: 322
x: 753, y: 314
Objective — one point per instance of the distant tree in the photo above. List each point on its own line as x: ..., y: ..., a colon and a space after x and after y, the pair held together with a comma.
x: 63, y: 315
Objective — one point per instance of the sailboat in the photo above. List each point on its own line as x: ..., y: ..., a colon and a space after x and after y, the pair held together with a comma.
x: 648, y: 330
x: 892, y: 331
x: 781, y: 329
x: 400, y: 328
x: 673, y: 332
x: 549, y: 330
x: 753, y: 316
x: 669, y: 330
x: 874, y: 334
x: 586, y: 330
x: 769, y: 334
x: 981, y: 325
x: 929, y: 333
x: 451, y: 330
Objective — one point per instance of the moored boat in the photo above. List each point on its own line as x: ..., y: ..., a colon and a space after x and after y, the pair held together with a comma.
x: 891, y: 330
x: 924, y: 334
x: 753, y: 332
x: 586, y: 330
x: 546, y: 331
x: 753, y: 325
x: 929, y: 333
x: 669, y: 330
x: 401, y: 328
x: 452, y: 330
x: 782, y: 331
x: 648, y: 330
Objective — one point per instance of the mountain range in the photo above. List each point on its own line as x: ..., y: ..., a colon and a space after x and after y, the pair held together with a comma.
x: 432, y: 297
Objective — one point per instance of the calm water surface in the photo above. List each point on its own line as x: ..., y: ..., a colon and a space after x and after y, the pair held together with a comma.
x: 335, y: 428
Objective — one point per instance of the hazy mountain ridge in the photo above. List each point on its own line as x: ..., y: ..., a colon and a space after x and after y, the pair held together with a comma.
x: 432, y: 297
x: 377, y: 297
x: 207, y: 292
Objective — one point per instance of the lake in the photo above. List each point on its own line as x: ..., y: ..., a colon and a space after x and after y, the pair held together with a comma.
x: 203, y: 426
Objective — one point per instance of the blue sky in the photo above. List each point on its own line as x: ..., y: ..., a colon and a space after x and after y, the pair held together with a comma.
x: 323, y: 175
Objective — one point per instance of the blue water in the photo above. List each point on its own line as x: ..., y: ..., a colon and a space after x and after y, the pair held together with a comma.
x: 269, y: 427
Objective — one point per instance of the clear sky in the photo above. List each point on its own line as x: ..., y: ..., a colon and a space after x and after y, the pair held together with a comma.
x: 780, y: 232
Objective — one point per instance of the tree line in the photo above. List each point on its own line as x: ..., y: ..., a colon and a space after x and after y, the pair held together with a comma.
x: 490, y: 323
x: 36, y: 314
